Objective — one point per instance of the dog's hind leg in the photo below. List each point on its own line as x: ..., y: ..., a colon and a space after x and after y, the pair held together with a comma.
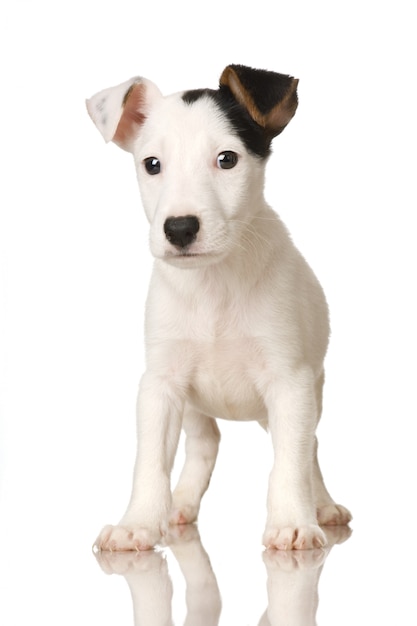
x: 201, y: 447
x: 328, y: 512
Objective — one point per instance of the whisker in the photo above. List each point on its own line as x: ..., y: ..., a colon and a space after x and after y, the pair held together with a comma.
x: 254, y: 233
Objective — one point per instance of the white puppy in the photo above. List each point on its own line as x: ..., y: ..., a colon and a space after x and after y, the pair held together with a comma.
x: 236, y: 322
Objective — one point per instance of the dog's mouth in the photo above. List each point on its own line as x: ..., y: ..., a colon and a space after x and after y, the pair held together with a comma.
x: 184, y: 255
x: 188, y: 258
x: 181, y: 253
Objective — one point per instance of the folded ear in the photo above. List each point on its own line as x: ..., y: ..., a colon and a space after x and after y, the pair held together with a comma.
x: 270, y: 98
x: 118, y: 112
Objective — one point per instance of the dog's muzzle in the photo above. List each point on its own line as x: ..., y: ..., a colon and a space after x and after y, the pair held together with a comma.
x: 181, y: 231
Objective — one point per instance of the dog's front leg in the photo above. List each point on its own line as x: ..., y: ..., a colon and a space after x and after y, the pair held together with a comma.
x: 292, y: 416
x: 159, y: 417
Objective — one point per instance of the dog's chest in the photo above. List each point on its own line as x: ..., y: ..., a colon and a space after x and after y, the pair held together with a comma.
x: 223, y: 380
x: 211, y: 344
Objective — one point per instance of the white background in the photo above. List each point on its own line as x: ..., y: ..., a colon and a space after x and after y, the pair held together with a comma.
x: 74, y: 269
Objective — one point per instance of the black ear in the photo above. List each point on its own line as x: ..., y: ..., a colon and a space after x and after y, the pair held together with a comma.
x: 270, y: 98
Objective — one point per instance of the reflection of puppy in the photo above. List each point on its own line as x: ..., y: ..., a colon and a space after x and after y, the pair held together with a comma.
x: 292, y: 583
x: 146, y: 573
x: 150, y: 585
x: 293, y: 579
x: 237, y: 324
x: 203, y: 595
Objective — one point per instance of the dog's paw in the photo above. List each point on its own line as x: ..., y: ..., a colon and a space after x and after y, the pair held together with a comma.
x: 333, y: 515
x: 183, y: 514
x: 306, y: 537
x: 337, y: 534
x: 125, y: 538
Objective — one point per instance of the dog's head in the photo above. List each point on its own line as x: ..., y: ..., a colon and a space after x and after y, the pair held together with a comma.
x: 200, y: 155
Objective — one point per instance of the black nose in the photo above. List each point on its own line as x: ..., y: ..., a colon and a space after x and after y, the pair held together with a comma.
x: 181, y: 231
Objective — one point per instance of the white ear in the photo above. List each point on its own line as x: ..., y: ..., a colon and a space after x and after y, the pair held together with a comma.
x: 118, y: 112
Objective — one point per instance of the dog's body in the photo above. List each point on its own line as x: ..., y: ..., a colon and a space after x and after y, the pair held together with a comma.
x: 236, y: 322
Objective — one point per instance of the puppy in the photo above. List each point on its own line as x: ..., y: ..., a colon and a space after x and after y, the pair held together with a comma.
x: 236, y: 322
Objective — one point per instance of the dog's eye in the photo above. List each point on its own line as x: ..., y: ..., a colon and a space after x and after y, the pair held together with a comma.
x: 227, y: 159
x: 152, y: 165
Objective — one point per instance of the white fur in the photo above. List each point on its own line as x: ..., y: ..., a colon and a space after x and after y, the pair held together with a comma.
x: 237, y: 329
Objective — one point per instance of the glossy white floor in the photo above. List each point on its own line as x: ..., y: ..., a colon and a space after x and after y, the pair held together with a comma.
x: 218, y: 573
x: 74, y: 268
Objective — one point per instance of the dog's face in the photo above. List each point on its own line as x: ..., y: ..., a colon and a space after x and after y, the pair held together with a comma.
x: 199, y: 155
x: 198, y: 181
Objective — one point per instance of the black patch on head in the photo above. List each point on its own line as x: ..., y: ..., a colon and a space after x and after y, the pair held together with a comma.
x: 195, y: 94
x: 252, y: 134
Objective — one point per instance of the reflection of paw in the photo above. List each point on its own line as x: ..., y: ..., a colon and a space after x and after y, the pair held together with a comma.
x: 182, y: 533
x: 127, y: 537
x: 333, y: 515
x: 289, y: 561
x: 289, y: 538
x: 124, y: 563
